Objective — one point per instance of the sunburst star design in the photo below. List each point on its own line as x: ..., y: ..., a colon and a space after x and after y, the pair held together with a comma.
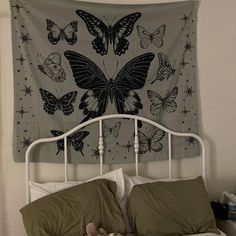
x: 26, y: 142
x: 188, y: 46
x: 25, y: 38
x: 95, y: 153
x: 190, y: 140
x: 185, y: 18
x: 189, y: 91
x: 27, y: 90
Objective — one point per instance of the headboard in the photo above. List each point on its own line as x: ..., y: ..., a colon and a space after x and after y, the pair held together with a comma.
x: 101, y: 146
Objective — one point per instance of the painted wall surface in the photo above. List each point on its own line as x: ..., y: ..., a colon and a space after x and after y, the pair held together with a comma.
x: 217, y: 107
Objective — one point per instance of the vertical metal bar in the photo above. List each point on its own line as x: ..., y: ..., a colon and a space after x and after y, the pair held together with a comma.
x: 66, y: 159
x: 27, y: 175
x: 170, y: 155
x: 136, y: 145
x: 101, y: 147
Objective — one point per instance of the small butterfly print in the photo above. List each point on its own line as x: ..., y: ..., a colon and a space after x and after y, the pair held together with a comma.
x: 114, y: 130
x: 67, y: 33
x: 147, y: 38
x: 105, y: 35
x: 52, y: 103
x: 150, y: 143
x: 159, y: 103
x: 51, y: 67
x: 75, y: 140
x: 165, y: 69
x: 100, y: 89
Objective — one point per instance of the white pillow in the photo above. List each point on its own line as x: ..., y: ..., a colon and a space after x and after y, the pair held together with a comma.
x: 40, y: 190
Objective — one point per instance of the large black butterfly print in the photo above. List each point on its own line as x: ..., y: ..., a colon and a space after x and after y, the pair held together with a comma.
x: 106, y: 35
x: 52, y: 103
x: 67, y: 33
x: 75, y: 140
x: 150, y: 143
x: 114, y: 130
x: 51, y: 67
x: 100, y: 89
x: 166, y: 103
x: 155, y: 37
x: 165, y: 69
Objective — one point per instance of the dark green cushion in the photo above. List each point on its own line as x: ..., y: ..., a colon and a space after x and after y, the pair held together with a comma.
x: 171, y: 208
x: 69, y: 211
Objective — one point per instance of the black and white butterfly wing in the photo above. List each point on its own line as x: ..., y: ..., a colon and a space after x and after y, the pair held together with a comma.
x: 122, y: 29
x: 157, y: 136
x: 165, y: 69
x: 67, y: 101
x: 89, y: 76
x: 54, y: 34
x: 50, y: 101
x: 144, y: 144
x: 76, y: 140
x: 170, y: 105
x: 114, y: 130
x: 97, y: 28
x: 131, y: 77
x: 145, y: 37
x: 157, y: 102
x: 69, y: 32
x: 157, y: 36
x: 60, y: 143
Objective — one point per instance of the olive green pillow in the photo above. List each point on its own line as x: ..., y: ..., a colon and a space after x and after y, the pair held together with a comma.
x: 69, y: 211
x: 171, y: 208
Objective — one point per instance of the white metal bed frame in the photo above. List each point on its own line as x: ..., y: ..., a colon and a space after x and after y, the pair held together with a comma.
x: 101, y: 146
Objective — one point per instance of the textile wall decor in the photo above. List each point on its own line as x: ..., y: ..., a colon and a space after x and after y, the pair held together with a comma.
x: 74, y: 61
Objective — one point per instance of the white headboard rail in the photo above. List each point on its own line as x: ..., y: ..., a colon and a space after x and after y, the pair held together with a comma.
x: 101, y: 145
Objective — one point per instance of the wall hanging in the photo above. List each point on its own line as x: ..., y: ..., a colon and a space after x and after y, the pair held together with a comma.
x: 74, y: 61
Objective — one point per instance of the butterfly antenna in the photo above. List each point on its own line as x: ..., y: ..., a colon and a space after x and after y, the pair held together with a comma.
x: 113, y: 20
x: 115, y: 69
x: 105, y: 69
x: 106, y: 20
x: 174, y: 62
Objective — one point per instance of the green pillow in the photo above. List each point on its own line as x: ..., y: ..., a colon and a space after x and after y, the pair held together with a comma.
x: 69, y: 211
x: 171, y: 208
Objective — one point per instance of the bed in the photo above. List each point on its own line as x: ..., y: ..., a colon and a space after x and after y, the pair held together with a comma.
x: 130, y: 205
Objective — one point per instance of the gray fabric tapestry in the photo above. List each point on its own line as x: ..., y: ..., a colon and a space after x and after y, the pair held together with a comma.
x: 74, y: 61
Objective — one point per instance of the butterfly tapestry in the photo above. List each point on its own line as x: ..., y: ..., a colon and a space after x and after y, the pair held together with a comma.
x: 75, y: 140
x: 100, y: 89
x: 108, y: 34
x: 165, y: 69
x: 166, y: 103
x: 67, y: 33
x: 155, y: 37
x: 51, y: 67
x: 52, y: 103
x: 150, y: 142
x: 114, y: 130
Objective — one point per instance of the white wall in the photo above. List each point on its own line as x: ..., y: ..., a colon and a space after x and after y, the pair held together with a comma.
x: 217, y: 98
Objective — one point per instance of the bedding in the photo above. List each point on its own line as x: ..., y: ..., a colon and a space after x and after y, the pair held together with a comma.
x: 171, y: 208
x: 67, y: 212
x: 38, y: 190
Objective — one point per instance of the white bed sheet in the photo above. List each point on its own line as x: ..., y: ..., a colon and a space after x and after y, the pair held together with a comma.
x: 206, y: 234
x: 209, y: 234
